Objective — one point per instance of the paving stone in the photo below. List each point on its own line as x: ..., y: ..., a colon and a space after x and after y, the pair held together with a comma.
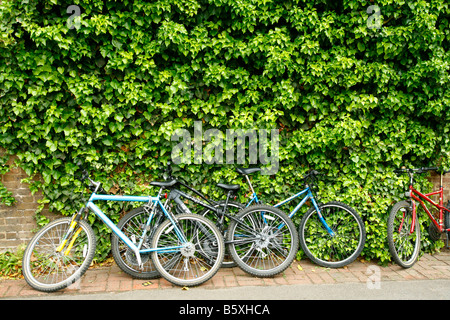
x: 112, y: 279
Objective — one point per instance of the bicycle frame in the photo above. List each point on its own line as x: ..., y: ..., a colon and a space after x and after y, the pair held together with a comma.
x: 416, y: 195
x: 307, y: 193
x: 136, y: 248
x: 254, y: 196
x: 175, y: 194
x: 219, y: 212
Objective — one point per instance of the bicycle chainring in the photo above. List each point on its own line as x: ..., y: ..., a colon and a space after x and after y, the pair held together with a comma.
x: 433, y: 232
x: 131, y: 259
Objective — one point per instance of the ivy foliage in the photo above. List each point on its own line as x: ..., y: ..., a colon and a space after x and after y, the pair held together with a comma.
x: 356, y: 89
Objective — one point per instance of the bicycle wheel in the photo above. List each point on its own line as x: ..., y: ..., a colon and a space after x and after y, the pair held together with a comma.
x: 404, y: 246
x: 332, y: 250
x: 233, y: 209
x: 46, y: 269
x: 263, y: 242
x: 196, y: 260
x: 132, y: 225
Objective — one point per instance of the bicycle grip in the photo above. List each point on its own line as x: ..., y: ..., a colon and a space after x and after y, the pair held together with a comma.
x: 84, y: 175
x: 101, y: 191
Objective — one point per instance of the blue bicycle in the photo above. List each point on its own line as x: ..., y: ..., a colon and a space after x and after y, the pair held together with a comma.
x: 185, y: 249
x: 332, y: 235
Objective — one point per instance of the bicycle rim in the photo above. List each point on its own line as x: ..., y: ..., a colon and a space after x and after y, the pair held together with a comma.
x: 264, y: 242
x: 198, y: 259
x: 47, y: 270
x: 403, y: 245
x: 337, y: 249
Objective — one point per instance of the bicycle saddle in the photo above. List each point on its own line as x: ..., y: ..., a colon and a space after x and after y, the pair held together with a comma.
x: 170, y: 183
x: 229, y: 187
x: 247, y: 170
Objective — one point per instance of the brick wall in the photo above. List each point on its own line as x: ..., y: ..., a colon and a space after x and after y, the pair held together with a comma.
x: 17, y: 223
x: 436, y: 180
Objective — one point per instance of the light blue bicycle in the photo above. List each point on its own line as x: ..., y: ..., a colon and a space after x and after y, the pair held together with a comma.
x: 186, y: 249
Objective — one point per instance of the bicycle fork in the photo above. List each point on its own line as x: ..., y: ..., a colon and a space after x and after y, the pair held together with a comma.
x: 70, y: 234
x: 413, y: 220
x: 321, y: 219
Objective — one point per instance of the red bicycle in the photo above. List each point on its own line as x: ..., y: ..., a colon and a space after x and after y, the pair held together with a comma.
x: 403, y: 230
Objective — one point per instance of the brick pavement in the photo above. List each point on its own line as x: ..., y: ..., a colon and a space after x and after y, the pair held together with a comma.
x: 112, y: 279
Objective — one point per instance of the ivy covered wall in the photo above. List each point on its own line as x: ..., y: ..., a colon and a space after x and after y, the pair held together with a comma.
x: 356, y: 89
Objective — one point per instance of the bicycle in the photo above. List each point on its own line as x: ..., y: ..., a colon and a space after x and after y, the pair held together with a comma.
x: 186, y: 249
x: 403, y: 230
x: 332, y: 235
x: 261, y: 240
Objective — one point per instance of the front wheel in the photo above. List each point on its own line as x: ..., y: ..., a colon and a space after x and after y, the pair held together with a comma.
x: 47, y: 269
x: 404, y: 245
x: 190, y: 261
x: 336, y: 239
x: 262, y: 240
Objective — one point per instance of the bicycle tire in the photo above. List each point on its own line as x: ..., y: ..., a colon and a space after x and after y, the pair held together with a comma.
x: 403, y: 246
x: 228, y: 261
x: 272, y: 240
x: 195, y: 263
x: 332, y: 251
x: 132, y: 225
x: 41, y: 261
x: 447, y: 216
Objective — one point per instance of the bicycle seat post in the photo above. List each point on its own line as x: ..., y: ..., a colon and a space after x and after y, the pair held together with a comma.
x: 411, y: 178
x: 224, y: 210
x: 250, y: 184
x: 226, y: 201
x: 160, y: 191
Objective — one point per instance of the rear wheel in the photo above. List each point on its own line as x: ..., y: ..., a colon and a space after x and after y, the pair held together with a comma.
x: 447, y: 216
x: 133, y: 225
x: 404, y: 246
x: 263, y: 242
x: 192, y: 262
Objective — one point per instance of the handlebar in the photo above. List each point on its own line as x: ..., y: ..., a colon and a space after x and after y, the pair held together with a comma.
x: 420, y: 170
x: 93, y: 185
x: 313, y: 174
